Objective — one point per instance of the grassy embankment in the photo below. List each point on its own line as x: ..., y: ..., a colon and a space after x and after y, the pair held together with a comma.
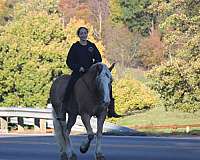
x: 159, y: 116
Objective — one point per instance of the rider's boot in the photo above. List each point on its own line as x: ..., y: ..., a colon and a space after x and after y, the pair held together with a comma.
x: 111, y: 110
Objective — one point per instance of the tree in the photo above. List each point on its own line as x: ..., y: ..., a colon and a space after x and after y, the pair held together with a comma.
x: 2, y: 6
x: 100, y: 12
x: 74, y: 8
x: 6, y: 10
x: 33, y: 52
x: 119, y: 44
x: 177, y: 81
x: 136, y: 16
x: 151, y: 50
x: 115, y: 11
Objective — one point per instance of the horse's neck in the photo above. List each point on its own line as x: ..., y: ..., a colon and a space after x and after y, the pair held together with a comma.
x: 89, y: 81
x: 87, y: 86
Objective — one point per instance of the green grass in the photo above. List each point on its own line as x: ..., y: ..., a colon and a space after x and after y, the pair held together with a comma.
x: 158, y: 116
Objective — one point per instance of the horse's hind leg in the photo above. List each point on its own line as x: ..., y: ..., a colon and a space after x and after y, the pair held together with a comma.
x: 60, y: 130
x: 100, y: 121
x: 86, y: 144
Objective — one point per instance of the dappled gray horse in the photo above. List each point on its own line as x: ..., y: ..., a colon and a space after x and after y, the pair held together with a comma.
x: 90, y: 97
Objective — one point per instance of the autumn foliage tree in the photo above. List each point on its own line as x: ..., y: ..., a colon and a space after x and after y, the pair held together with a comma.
x: 119, y: 45
x: 6, y: 10
x: 151, y: 50
x: 2, y: 6
x: 74, y: 8
x: 177, y: 81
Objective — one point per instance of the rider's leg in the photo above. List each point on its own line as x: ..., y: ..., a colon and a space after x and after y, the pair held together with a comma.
x: 111, y: 107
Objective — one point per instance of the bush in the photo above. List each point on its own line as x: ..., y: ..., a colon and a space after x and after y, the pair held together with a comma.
x: 131, y: 95
x: 177, y: 84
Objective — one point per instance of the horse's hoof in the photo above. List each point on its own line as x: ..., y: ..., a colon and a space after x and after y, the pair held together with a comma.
x: 100, y: 156
x: 73, y: 157
x: 63, y: 156
x: 84, y: 147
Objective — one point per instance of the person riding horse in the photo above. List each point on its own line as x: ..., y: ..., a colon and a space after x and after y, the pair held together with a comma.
x: 81, y: 56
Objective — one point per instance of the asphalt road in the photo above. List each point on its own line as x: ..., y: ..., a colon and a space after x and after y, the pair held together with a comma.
x: 115, y: 148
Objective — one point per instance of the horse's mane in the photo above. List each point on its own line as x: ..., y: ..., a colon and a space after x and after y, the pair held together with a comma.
x: 97, y: 68
x: 94, y: 66
x: 90, y: 76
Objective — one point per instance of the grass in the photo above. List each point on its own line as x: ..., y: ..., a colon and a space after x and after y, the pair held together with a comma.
x: 158, y: 116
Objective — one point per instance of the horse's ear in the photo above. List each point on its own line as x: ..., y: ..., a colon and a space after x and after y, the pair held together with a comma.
x: 111, y: 67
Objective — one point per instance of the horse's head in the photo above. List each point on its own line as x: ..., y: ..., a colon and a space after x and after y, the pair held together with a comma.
x: 103, y: 80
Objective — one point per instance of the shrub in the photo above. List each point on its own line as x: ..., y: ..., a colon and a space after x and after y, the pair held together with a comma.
x: 177, y: 84
x: 132, y: 95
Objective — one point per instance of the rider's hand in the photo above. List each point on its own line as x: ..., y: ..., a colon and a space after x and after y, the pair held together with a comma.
x: 81, y: 69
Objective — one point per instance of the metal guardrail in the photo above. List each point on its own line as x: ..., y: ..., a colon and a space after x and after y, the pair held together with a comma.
x: 42, y: 119
x: 24, y: 116
x: 25, y: 112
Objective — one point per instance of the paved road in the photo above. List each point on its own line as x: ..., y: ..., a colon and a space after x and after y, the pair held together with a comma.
x: 115, y: 148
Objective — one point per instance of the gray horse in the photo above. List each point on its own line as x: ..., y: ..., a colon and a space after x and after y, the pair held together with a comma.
x: 90, y: 97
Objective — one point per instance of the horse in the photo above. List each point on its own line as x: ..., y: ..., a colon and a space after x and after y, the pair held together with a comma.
x: 90, y: 97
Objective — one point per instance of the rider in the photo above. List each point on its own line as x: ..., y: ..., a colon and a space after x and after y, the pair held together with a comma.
x: 81, y: 56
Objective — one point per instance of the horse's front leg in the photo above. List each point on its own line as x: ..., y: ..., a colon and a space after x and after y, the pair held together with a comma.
x: 100, y: 121
x: 69, y: 150
x: 86, y: 144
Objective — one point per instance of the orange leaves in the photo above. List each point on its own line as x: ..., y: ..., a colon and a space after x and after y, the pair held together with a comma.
x: 2, y: 6
x: 152, y: 50
x: 74, y: 8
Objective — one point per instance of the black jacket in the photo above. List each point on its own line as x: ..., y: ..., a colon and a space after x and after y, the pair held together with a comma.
x: 82, y: 56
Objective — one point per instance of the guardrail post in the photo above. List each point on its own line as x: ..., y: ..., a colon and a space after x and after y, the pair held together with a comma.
x: 40, y: 125
x: 4, y: 124
x: 43, y: 126
x: 187, y: 129
x: 20, y: 124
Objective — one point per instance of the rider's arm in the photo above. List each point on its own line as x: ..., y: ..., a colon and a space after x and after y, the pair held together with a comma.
x: 97, y: 55
x: 72, y: 60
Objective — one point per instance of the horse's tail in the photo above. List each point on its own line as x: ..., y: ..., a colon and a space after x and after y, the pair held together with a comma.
x: 60, y: 128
